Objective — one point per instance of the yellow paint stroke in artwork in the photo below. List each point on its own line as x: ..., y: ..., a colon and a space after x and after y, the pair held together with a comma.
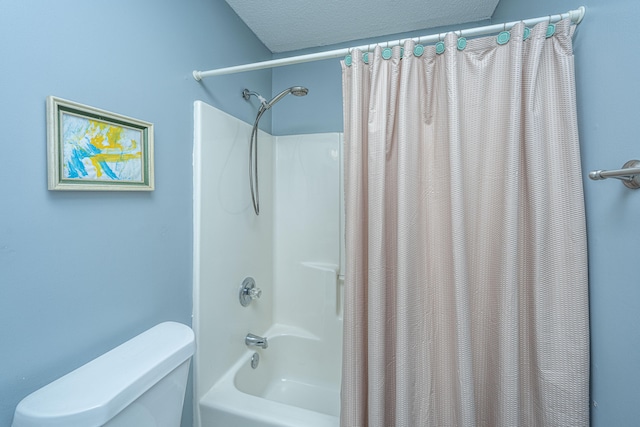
x: 97, y: 140
x: 108, y: 139
x: 113, y: 137
x: 97, y: 166
x: 115, y: 157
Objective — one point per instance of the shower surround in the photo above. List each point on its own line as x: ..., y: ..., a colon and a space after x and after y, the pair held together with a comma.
x: 292, y: 250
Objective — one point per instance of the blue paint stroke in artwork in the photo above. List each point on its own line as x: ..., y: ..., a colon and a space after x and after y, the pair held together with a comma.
x: 106, y: 169
x: 75, y: 165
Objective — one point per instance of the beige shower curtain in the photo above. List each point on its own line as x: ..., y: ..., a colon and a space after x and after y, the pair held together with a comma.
x: 466, y: 277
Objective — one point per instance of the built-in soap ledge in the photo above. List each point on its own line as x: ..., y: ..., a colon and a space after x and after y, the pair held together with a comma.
x: 334, y: 284
x: 322, y: 266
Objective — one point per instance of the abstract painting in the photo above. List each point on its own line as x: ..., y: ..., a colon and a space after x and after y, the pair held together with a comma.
x: 92, y: 149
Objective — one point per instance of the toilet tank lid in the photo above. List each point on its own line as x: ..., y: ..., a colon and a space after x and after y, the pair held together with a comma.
x: 97, y: 391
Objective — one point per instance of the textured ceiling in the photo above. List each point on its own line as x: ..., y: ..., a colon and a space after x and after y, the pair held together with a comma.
x: 285, y: 25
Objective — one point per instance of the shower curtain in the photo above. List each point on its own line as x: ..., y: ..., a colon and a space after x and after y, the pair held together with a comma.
x: 466, y: 273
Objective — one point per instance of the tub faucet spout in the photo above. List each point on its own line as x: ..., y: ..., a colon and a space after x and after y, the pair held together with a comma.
x: 252, y: 340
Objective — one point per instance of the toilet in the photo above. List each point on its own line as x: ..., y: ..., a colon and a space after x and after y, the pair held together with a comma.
x: 140, y: 383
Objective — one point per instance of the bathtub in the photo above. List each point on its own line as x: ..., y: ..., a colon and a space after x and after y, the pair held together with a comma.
x: 296, y: 384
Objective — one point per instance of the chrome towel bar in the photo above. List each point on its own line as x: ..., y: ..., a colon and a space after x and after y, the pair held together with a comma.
x: 629, y: 174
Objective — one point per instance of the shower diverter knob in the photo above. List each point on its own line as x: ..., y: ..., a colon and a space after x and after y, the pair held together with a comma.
x: 248, y: 291
x: 255, y: 293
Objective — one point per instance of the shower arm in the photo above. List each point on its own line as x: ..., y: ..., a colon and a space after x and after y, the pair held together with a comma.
x: 246, y: 94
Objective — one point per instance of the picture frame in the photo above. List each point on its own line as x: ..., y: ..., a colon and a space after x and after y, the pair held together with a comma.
x: 91, y: 149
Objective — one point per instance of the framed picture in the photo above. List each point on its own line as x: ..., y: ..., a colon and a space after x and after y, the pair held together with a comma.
x: 92, y: 149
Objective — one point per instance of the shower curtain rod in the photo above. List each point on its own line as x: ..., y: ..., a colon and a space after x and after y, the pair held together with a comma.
x: 575, y: 16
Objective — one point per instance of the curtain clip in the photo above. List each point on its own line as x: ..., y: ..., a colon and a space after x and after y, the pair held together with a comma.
x: 387, y: 53
x: 348, y: 59
x: 440, y: 45
x: 462, y: 42
x: 504, y: 36
x: 551, y: 28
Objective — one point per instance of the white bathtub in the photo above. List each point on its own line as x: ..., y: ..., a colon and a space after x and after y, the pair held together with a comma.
x: 297, y: 384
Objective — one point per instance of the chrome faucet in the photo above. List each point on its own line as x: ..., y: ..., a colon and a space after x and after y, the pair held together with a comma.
x: 252, y: 340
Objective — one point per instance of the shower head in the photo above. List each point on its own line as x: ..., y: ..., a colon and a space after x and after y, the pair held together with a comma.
x: 299, y: 90
x: 296, y: 90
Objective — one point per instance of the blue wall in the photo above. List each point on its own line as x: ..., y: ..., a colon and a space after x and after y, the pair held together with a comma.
x: 608, y: 90
x: 81, y: 272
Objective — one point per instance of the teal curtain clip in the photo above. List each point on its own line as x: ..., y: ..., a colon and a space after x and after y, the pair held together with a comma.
x: 551, y: 30
x: 504, y: 37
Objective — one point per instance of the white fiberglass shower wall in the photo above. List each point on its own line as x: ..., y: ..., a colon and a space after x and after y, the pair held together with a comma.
x: 292, y: 250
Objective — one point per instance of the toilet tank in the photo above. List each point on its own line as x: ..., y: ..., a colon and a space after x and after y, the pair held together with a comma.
x: 140, y: 383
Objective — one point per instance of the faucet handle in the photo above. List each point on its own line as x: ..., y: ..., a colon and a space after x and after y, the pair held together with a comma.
x: 249, y: 291
x: 255, y: 293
